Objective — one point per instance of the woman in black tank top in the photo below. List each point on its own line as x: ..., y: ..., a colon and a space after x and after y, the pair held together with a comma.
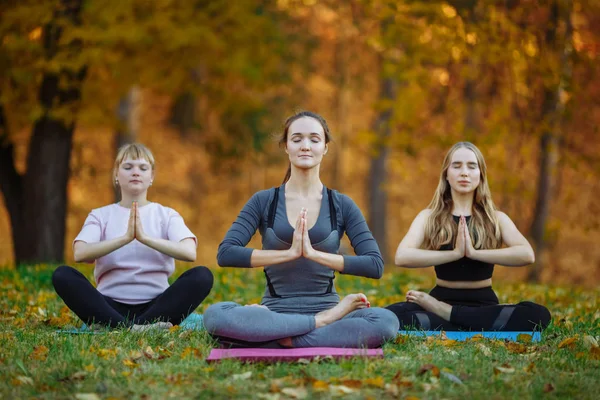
x: 462, y: 234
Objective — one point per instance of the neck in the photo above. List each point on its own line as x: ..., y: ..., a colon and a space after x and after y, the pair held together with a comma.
x: 304, y: 181
x: 127, y: 199
x: 462, y: 203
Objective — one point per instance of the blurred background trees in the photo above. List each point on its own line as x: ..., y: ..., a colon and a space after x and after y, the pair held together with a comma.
x: 207, y: 84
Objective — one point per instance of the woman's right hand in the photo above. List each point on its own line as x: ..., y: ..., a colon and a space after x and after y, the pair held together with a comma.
x: 296, y: 249
x: 459, y: 246
x: 130, y: 234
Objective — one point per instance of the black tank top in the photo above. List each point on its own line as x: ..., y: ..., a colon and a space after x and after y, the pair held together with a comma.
x: 464, y: 269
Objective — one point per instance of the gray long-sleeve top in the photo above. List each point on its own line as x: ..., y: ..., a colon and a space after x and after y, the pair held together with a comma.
x: 367, y: 262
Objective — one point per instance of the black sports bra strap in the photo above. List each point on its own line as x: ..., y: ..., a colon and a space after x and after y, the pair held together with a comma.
x: 270, y: 286
x: 332, y: 213
x: 272, y: 209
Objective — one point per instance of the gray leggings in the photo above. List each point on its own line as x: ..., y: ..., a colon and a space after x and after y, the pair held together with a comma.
x: 367, y: 327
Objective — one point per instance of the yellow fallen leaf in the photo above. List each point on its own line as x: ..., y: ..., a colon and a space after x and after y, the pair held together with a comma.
x: 174, y: 328
x: 524, y: 337
x: 320, y: 386
x: 568, y: 342
x: 40, y: 353
x: 376, y: 382
x: 90, y: 368
x: 131, y: 364
x: 517, y: 348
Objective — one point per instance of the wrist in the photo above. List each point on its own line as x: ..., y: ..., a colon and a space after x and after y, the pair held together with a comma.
x: 292, y: 254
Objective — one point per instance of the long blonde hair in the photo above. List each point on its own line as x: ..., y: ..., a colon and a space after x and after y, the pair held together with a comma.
x: 483, y: 226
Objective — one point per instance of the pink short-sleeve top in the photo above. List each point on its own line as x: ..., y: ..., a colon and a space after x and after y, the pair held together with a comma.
x: 134, y: 273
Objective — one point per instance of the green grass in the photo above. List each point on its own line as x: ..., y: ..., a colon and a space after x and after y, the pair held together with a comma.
x: 37, y: 362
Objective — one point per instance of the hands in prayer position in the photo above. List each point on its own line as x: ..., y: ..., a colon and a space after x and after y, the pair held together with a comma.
x: 301, y: 245
x: 463, y: 246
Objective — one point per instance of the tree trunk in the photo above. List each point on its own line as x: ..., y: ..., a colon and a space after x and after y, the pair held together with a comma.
x: 11, y: 184
x: 129, y: 124
x: 551, y: 117
x: 378, y: 168
x: 37, y: 201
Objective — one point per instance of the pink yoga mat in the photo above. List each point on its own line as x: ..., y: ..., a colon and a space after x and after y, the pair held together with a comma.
x: 274, y: 355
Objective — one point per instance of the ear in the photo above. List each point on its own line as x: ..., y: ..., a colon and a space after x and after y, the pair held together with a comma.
x: 326, y: 149
x: 285, y: 148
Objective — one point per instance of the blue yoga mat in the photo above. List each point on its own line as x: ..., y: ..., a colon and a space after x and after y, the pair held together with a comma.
x: 192, y: 322
x: 459, y: 335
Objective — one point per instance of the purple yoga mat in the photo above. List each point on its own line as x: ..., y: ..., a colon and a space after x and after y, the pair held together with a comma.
x: 274, y: 355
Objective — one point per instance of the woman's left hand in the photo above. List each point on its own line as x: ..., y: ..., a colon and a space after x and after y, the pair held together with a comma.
x: 469, y: 249
x: 307, y: 250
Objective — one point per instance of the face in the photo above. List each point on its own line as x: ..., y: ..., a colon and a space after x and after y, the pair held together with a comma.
x: 306, y: 143
x: 135, y: 176
x: 463, y: 174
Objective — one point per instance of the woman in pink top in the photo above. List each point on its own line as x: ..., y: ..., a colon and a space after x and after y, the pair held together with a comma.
x: 134, y: 243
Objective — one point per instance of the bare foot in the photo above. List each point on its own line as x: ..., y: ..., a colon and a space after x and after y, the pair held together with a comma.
x: 430, y: 303
x: 155, y: 326
x: 348, y: 304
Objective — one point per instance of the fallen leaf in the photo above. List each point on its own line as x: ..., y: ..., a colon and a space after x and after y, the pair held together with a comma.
x: 392, y: 389
x: 40, y: 353
x: 352, y: 383
x: 569, y: 342
x: 590, y: 341
x: 548, y: 387
x: 185, y: 334
x: 245, y: 375
x: 340, y: 390
x: 435, y: 371
x: 484, y: 349
x: 131, y: 364
x: 87, y: 396
x: 516, y: 348
x: 149, y: 353
x: 174, y: 328
x: 595, y: 353
x: 89, y: 367
x: 376, y: 382
x: 297, y: 393
x: 524, y: 337
x: 504, y: 368
x: 135, y: 355
x: 22, y: 380
x: 320, y: 386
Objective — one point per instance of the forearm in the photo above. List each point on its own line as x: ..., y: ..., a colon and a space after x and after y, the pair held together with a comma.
x: 184, y: 250
x: 515, y: 256
x: 330, y: 260
x: 264, y: 258
x: 89, y: 252
x: 419, y: 258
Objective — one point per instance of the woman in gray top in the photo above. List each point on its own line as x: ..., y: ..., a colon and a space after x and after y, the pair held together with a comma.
x: 301, y: 224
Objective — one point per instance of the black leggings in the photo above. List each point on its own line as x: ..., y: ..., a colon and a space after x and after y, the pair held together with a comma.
x: 473, y: 309
x: 173, y: 305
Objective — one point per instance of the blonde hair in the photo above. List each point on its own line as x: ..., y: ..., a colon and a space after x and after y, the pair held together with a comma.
x: 483, y: 226
x: 134, y: 151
